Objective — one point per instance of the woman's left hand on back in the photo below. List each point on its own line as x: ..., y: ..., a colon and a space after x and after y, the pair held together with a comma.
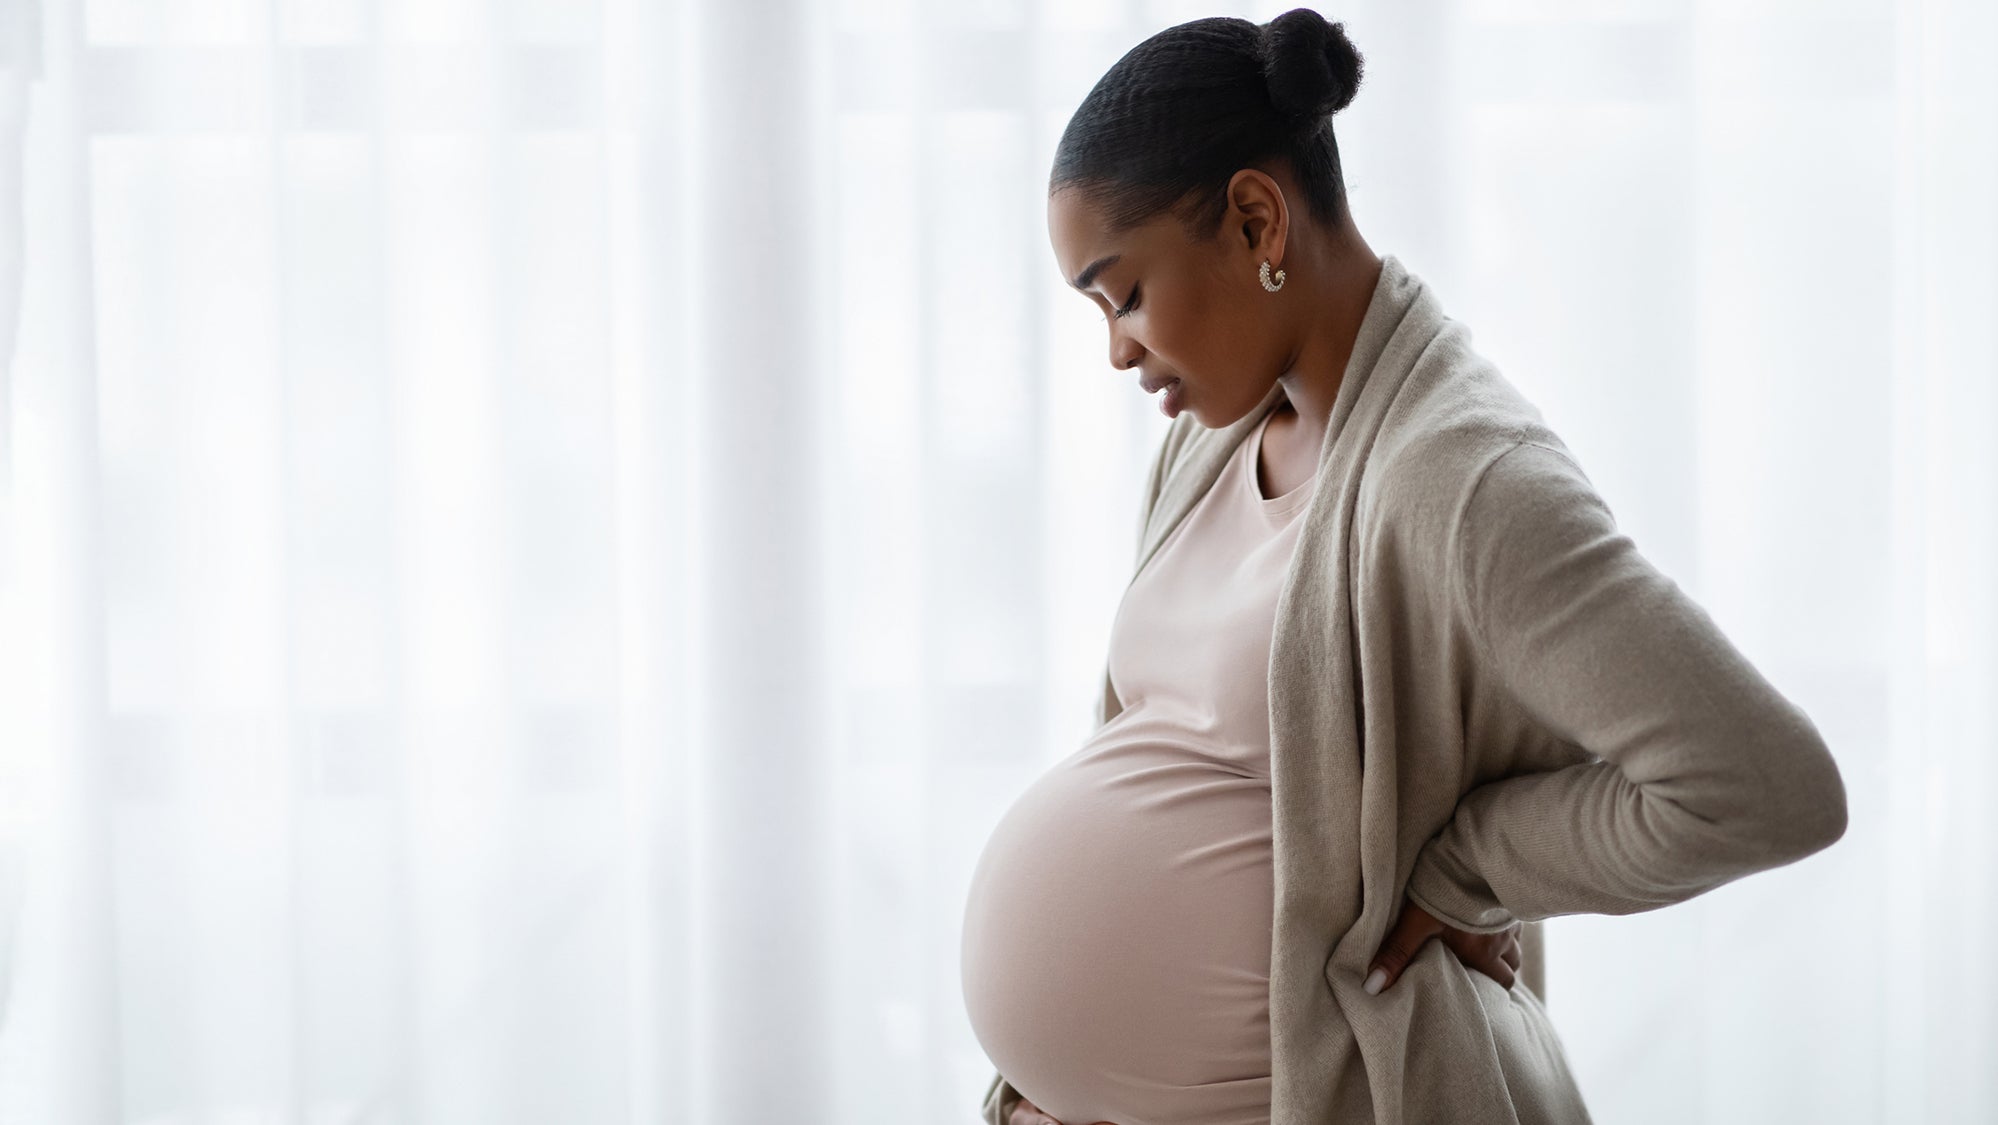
x: 1495, y: 955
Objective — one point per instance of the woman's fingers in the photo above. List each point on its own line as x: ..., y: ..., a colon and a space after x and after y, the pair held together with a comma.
x: 1498, y: 955
x: 1027, y: 1113
x: 1404, y: 940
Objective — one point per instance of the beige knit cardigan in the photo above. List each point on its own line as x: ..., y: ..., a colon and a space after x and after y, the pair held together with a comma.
x: 1483, y: 696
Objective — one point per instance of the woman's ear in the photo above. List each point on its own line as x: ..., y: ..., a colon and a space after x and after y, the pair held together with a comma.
x: 1259, y: 211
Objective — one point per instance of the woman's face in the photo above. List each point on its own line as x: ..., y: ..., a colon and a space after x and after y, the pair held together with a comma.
x: 1176, y: 308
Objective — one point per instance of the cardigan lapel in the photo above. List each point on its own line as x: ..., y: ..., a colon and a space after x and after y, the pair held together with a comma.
x: 1323, y: 865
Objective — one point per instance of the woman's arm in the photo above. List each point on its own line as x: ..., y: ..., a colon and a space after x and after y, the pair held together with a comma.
x: 1701, y: 772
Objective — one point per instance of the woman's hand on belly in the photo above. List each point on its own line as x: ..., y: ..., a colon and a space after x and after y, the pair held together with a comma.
x: 1495, y: 955
x: 1027, y: 1113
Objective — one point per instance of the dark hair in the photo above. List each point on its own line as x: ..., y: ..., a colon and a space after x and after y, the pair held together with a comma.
x: 1182, y: 112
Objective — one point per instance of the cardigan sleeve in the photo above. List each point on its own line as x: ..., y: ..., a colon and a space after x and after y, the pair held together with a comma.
x: 1699, y: 770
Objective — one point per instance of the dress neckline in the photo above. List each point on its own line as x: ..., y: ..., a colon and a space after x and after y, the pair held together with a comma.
x: 1281, y: 505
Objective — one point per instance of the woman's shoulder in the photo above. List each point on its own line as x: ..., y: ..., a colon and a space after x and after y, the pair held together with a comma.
x: 1451, y: 423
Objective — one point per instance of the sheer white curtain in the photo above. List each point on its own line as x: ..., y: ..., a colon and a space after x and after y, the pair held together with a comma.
x: 540, y: 537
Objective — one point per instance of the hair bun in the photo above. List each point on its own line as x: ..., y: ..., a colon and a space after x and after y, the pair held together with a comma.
x: 1309, y: 65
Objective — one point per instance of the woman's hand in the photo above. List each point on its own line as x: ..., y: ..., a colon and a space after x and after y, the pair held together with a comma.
x: 1495, y: 955
x: 1027, y: 1113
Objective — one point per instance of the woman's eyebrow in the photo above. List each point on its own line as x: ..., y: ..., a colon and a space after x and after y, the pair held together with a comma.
x: 1090, y: 271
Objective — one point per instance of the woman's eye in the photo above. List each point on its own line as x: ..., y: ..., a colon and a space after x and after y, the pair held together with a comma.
x: 1132, y: 304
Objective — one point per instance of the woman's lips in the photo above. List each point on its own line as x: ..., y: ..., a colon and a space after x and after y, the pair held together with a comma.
x: 1169, y: 404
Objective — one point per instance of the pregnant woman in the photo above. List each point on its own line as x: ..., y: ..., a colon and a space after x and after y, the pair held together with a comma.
x: 1386, y: 672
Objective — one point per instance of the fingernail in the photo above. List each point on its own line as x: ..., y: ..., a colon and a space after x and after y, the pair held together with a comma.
x: 1376, y: 980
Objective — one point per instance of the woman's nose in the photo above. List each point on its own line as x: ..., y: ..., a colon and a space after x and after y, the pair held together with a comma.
x: 1124, y: 353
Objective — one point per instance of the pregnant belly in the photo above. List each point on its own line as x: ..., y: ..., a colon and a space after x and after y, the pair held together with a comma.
x: 1117, y: 940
